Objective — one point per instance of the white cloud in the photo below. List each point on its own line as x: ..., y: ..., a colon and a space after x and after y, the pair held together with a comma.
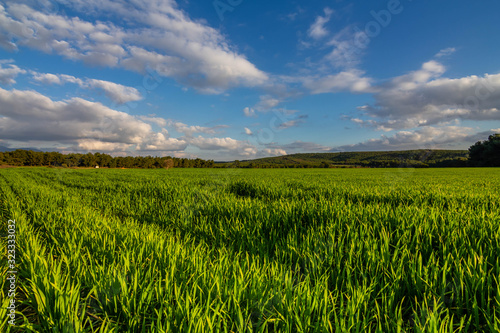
x: 154, y: 120
x: 317, y: 30
x: 446, y: 52
x: 266, y: 103
x: 215, y: 143
x: 169, y: 43
x: 190, y: 130
x: 9, y: 72
x: 427, y: 137
x: 249, y: 112
x: 350, y: 80
x: 348, y: 47
x: 273, y: 152
x: 162, y: 142
x: 80, y: 125
x: 31, y: 116
x: 424, y: 97
x: 47, y: 78
x: 118, y: 93
x: 248, y: 131
x: 96, y: 145
x: 241, y: 148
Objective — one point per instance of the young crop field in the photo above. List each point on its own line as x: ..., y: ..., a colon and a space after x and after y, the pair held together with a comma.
x: 251, y: 250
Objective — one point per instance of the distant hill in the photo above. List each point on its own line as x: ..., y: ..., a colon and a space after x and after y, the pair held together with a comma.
x: 4, y: 149
x: 409, y: 158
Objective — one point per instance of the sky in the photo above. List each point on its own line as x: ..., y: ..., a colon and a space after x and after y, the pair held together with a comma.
x: 241, y: 79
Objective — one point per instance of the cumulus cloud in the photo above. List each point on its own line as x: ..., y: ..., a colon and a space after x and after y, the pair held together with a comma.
x: 266, y: 103
x: 423, y: 97
x: 82, y: 125
x: 237, y: 147
x: 47, y: 78
x: 352, y: 80
x: 170, y: 44
x: 100, y: 146
x: 427, y: 137
x: 118, y: 93
x: 248, y: 131
x: 162, y: 142
x: 317, y: 30
x: 215, y: 143
x: 8, y: 72
x: 154, y: 120
x: 190, y: 130
x: 31, y: 116
x: 273, y: 152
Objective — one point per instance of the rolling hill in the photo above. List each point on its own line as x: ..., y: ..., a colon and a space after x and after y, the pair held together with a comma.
x: 409, y: 158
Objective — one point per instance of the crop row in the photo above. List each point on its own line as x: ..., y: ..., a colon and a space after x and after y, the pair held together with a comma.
x: 255, y: 250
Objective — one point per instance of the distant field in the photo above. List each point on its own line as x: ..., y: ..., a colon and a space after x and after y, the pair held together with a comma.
x: 253, y: 250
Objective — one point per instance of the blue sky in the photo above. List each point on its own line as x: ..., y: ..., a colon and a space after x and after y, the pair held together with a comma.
x: 240, y: 79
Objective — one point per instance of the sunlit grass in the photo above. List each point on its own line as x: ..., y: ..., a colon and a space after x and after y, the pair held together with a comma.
x: 363, y: 250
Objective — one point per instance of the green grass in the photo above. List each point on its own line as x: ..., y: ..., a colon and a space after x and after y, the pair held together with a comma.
x: 201, y: 250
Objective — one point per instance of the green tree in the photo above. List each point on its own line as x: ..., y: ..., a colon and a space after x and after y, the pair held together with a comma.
x: 89, y: 160
x: 486, y: 153
x: 103, y: 160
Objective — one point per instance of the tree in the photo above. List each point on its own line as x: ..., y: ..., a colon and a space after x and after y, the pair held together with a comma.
x: 486, y: 153
x: 148, y: 162
x: 103, y: 160
x: 89, y: 160
x: 168, y: 163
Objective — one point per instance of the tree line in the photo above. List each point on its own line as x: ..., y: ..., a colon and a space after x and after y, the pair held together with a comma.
x: 21, y: 157
x: 486, y: 153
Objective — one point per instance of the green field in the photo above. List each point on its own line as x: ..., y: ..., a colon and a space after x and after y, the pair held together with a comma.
x: 250, y: 250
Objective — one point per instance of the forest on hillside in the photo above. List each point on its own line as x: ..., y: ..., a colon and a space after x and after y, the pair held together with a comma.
x: 379, y: 159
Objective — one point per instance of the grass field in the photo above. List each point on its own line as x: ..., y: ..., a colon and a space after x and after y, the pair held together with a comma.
x: 201, y: 250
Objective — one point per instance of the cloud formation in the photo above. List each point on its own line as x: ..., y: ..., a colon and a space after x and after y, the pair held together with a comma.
x: 29, y: 115
x: 428, y: 137
x: 170, y: 43
x: 118, y: 93
x: 8, y: 72
x: 249, y: 112
x: 352, y: 80
x: 446, y: 52
x: 237, y: 147
x: 190, y: 130
x: 423, y: 98
x: 317, y: 30
x: 81, y: 125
